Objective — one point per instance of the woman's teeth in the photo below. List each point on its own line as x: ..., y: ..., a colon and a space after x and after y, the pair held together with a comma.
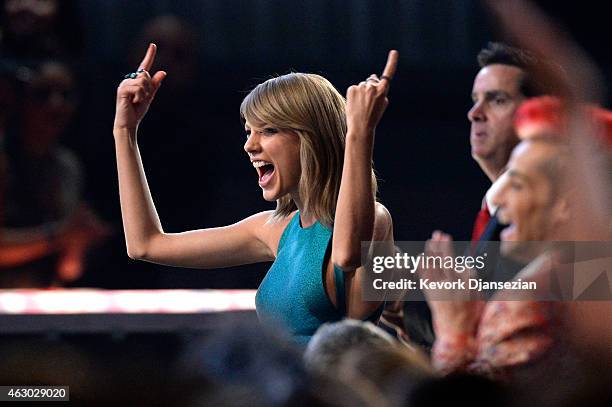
x: 258, y: 164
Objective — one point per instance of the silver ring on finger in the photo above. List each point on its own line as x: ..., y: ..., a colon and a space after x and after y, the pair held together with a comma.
x: 134, y: 75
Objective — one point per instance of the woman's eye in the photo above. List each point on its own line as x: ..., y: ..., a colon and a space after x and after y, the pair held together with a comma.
x: 247, y: 133
x: 500, y: 101
x: 270, y: 130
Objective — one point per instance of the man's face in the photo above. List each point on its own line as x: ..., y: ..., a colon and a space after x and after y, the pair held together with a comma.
x: 496, y: 95
x: 526, y: 198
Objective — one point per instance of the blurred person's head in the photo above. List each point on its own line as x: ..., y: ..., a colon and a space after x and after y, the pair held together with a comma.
x: 50, y: 102
x: 25, y: 18
x: 177, y: 51
x: 533, y: 200
x: 296, y: 124
x: 550, y: 117
x: 333, y: 341
x: 37, y: 28
x: 534, y: 194
x: 502, y: 84
x: 241, y: 363
x: 393, y: 371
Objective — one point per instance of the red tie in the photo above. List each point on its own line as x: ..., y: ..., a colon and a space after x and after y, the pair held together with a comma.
x: 480, y: 224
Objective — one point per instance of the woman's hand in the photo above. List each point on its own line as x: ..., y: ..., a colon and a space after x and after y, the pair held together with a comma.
x: 135, y: 95
x: 366, y: 102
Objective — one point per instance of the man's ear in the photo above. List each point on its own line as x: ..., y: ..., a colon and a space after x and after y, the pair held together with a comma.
x: 561, y: 212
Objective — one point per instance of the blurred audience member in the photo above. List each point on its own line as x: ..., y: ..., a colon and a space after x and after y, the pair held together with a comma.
x: 534, y: 200
x: 44, y: 213
x: 34, y: 29
x: 505, y: 79
x: 243, y: 364
x: 393, y: 372
x: 332, y: 340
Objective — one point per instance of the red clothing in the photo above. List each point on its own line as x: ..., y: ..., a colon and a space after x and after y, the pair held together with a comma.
x: 510, y: 333
x: 481, y: 221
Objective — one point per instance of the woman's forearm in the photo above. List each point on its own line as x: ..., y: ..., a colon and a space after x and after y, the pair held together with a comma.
x: 355, y: 211
x: 140, y: 219
x: 354, y: 221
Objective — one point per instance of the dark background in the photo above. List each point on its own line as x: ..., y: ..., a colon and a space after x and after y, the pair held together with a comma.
x: 192, y: 144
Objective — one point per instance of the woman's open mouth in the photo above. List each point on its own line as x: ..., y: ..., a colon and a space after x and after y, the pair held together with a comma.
x: 265, y: 171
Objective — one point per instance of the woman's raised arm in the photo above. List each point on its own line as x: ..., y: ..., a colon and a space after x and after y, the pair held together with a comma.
x: 356, y: 212
x: 241, y: 243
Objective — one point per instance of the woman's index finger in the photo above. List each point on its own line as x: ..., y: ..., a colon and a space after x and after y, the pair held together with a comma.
x: 392, y: 59
x: 149, y: 57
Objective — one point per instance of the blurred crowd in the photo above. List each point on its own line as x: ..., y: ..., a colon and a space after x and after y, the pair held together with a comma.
x: 348, y: 363
x: 58, y: 226
x: 46, y: 227
x: 537, y: 134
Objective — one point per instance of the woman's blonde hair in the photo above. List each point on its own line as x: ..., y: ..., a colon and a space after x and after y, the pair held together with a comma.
x: 310, y: 106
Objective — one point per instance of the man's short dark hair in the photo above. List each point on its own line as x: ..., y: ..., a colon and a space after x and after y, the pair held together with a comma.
x: 500, y: 53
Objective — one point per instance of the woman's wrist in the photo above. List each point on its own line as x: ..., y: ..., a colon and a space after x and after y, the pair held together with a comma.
x: 123, y: 132
x: 360, y: 135
x: 125, y: 135
x: 359, y: 143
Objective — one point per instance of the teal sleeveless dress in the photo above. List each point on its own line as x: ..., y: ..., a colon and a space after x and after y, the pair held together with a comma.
x: 292, y: 293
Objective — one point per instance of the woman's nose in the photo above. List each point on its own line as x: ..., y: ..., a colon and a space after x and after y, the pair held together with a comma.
x: 251, y: 146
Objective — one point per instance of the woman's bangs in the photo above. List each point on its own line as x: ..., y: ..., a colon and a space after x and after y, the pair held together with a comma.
x: 262, y: 106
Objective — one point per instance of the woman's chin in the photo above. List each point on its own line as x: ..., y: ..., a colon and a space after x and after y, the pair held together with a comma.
x: 270, y: 196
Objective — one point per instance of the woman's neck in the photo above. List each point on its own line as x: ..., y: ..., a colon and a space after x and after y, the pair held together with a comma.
x: 306, y: 218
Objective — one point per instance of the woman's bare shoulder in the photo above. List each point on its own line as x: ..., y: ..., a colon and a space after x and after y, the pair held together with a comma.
x: 268, y: 228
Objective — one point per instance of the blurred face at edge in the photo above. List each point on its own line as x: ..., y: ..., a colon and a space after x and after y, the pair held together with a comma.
x: 530, y: 201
